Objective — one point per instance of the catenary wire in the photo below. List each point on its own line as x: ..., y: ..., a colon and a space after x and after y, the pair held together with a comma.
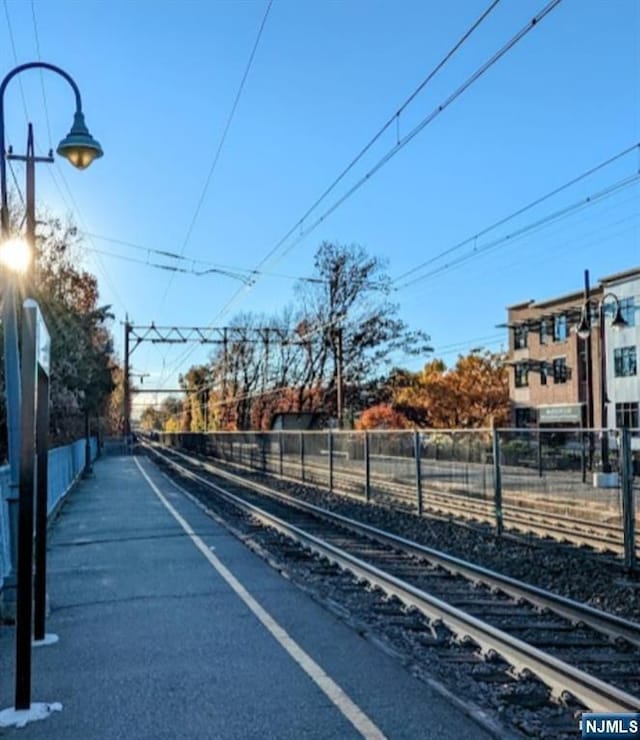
x: 223, y: 138
x: 538, y: 201
x: 399, y: 145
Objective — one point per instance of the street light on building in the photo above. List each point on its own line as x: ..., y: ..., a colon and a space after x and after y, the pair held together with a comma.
x: 80, y: 148
x: 583, y: 330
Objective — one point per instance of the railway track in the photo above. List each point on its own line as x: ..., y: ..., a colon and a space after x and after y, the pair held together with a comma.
x: 599, y: 535
x: 574, y: 649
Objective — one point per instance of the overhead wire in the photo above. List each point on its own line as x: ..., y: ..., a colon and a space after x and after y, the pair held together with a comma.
x: 520, y: 211
x: 522, y: 231
x: 15, y: 57
x: 216, y: 266
x: 223, y: 138
x: 74, y: 207
x: 401, y: 143
x: 42, y: 86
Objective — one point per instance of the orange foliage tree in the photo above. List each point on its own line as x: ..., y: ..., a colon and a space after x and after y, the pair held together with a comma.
x: 383, y: 416
x: 466, y: 396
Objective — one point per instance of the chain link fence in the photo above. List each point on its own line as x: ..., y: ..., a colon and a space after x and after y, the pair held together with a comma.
x: 575, y: 485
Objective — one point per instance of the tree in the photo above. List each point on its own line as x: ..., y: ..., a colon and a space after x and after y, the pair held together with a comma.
x: 383, y: 416
x: 290, y: 362
x: 349, y: 321
x: 468, y: 395
x: 82, y: 362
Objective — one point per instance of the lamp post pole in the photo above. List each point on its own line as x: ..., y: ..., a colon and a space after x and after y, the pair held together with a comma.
x: 604, y: 434
x: 80, y: 148
x: 584, y: 332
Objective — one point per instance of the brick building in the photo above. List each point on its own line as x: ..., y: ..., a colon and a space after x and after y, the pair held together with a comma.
x: 556, y: 378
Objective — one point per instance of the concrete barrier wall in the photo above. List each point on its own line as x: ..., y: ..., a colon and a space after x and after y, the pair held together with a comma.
x: 65, y: 466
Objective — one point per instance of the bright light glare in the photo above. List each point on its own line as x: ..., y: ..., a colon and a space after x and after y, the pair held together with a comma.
x: 15, y: 254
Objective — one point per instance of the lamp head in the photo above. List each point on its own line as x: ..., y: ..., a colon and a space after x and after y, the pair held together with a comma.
x: 618, y: 320
x: 15, y: 255
x: 583, y: 329
x: 78, y: 146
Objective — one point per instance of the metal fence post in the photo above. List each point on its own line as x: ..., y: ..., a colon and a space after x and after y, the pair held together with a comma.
x: 330, y: 461
x: 497, y: 480
x: 302, y: 456
x: 539, y: 440
x: 628, y: 508
x: 281, y: 452
x: 418, y: 456
x: 367, y: 469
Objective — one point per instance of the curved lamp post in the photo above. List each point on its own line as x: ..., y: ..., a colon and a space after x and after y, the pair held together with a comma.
x: 583, y: 330
x: 80, y: 148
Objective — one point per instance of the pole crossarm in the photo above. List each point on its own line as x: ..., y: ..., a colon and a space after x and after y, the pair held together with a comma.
x: 201, y: 334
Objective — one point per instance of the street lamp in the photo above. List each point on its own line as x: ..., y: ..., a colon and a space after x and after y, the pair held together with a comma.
x: 80, y: 148
x: 583, y: 330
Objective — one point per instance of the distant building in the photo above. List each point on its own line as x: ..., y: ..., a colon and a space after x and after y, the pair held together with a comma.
x: 623, y: 350
x: 555, y: 378
x: 301, y: 421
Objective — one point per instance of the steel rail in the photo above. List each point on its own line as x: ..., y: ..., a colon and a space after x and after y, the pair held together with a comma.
x: 560, y: 676
x: 517, y: 518
x: 611, y: 625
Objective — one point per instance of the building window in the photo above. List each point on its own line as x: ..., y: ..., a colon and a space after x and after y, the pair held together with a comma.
x: 520, y: 333
x: 559, y: 328
x: 624, y: 362
x: 628, y: 415
x: 628, y: 310
x: 544, y: 331
x: 522, y: 375
x: 544, y: 373
x: 560, y: 370
x: 523, y: 417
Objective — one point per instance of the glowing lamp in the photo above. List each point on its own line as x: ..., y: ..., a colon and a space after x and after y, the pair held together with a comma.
x: 15, y: 255
x: 78, y: 146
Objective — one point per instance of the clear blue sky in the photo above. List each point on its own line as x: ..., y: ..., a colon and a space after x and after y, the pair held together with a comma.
x: 159, y: 80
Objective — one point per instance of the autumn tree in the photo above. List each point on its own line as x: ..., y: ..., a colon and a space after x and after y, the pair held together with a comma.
x: 383, y: 416
x: 468, y: 395
x: 82, y: 360
x: 341, y: 319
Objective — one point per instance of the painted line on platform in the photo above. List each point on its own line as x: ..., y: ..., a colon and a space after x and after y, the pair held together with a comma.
x: 327, y: 685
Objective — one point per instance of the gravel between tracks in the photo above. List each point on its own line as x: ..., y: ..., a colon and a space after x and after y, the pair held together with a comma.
x: 564, y: 569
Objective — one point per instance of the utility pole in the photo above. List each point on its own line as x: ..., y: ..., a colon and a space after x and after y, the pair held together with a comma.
x: 126, y: 409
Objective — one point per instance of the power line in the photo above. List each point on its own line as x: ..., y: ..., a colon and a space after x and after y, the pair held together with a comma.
x: 401, y: 143
x: 230, y: 270
x: 520, y: 211
x: 42, y: 87
x: 519, y: 233
x: 222, y: 138
x: 394, y: 118
x: 15, y: 59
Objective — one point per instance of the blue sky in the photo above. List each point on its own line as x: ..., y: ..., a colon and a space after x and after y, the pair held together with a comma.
x: 159, y: 80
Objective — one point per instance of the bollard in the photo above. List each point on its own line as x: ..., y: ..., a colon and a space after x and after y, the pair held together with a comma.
x: 280, y: 453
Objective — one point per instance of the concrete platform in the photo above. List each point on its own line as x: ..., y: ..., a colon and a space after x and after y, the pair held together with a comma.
x: 170, y: 628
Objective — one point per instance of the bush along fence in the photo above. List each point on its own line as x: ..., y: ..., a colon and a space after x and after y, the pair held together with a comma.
x: 65, y: 467
x: 578, y: 485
